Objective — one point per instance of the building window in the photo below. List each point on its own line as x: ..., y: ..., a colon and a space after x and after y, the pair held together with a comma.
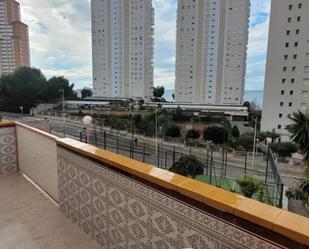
x: 286, y: 44
x: 298, y: 19
x: 281, y: 103
x: 291, y: 92
x: 279, y: 127
x: 284, y: 69
x: 288, y: 32
x: 290, y: 7
x: 283, y: 81
x: 300, y: 5
x: 282, y: 92
x: 290, y: 104
x: 285, y: 57
x: 280, y: 115
x: 289, y: 19
x: 292, y: 81
x: 297, y: 32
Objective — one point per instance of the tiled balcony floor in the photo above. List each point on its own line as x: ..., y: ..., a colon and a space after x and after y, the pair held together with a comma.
x: 29, y: 220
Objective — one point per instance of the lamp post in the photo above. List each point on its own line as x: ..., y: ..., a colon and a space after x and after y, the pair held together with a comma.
x: 22, y: 111
x: 254, y: 142
x: 87, y: 120
x: 157, y: 109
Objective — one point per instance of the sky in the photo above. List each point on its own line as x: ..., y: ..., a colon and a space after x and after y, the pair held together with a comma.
x: 60, y: 40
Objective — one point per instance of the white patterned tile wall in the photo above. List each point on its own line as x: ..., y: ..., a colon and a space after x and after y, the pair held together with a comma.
x: 119, y: 212
x: 8, y: 159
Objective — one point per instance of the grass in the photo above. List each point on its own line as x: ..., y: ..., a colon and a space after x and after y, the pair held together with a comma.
x: 231, y: 185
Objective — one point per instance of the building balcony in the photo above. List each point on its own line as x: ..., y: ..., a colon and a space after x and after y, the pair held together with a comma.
x: 61, y: 193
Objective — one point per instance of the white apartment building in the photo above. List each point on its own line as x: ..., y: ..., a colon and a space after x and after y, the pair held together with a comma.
x: 287, y: 69
x: 122, y: 48
x: 14, y: 38
x: 212, y: 38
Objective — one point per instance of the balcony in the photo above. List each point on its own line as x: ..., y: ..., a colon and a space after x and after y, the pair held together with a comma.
x: 61, y: 193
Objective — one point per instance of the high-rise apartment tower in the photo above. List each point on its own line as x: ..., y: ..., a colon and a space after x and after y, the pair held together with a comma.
x: 212, y: 38
x: 14, y: 38
x: 122, y: 44
x: 287, y: 69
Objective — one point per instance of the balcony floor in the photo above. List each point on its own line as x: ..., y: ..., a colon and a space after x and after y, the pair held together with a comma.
x: 29, y: 220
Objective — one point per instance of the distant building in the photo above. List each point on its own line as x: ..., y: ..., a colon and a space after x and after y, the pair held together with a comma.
x: 212, y: 38
x: 122, y: 44
x: 287, y: 70
x: 14, y: 38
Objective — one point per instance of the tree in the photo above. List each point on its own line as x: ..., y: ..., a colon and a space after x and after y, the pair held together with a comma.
x: 216, y: 134
x: 193, y: 134
x: 54, y: 87
x: 158, y: 92
x: 25, y: 87
x: 188, y: 166
x: 284, y: 149
x: 86, y: 92
x: 173, y: 131
x: 141, y: 103
x: 246, y: 141
x: 302, y: 191
x: 235, y: 131
x: 299, y: 132
x: 249, y: 186
x: 248, y: 105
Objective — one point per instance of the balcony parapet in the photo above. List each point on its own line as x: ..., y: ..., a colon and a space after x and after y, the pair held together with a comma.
x: 105, y: 193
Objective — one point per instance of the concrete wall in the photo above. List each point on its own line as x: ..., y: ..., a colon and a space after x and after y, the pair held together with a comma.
x: 37, y: 158
x: 8, y: 158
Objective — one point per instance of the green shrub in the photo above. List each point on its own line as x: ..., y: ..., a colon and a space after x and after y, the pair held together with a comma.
x: 193, y: 134
x: 235, y: 131
x: 249, y: 186
x: 246, y: 141
x: 284, y: 149
x: 188, y: 166
x: 173, y: 131
x: 216, y: 134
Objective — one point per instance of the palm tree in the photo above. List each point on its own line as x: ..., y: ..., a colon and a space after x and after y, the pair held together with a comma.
x: 299, y: 132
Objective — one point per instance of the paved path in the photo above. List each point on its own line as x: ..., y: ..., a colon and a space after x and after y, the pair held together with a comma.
x: 30, y: 220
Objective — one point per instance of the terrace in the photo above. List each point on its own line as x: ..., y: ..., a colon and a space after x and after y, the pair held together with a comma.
x: 61, y: 193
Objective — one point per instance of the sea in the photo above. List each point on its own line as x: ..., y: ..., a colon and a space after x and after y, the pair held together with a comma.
x: 250, y: 95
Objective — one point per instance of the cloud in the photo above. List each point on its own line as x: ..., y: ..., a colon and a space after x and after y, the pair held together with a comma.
x: 60, y: 39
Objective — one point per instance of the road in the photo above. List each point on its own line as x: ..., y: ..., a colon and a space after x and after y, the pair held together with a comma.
x: 143, y: 149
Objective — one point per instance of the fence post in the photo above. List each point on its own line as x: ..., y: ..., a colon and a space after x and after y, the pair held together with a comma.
x: 281, y: 195
x: 95, y: 139
x: 190, y: 151
x: 165, y: 159
x: 144, y: 152
x: 130, y: 148
x: 159, y: 156
x: 174, y: 154
x: 117, y: 143
x: 104, y: 134
x: 132, y: 142
x: 246, y: 161
x: 267, y: 165
x: 81, y: 136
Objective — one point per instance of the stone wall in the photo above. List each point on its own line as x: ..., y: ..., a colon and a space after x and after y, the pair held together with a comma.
x: 8, y: 158
x: 120, y: 212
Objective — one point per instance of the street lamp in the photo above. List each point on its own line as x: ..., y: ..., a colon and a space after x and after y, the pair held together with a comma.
x: 157, y: 109
x: 87, y: 120
x: 254, y: 142
x: 22, y: 110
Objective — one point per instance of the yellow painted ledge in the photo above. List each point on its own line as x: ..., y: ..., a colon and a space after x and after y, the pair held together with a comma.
x: 288, y: 224
x: 5, y: 123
